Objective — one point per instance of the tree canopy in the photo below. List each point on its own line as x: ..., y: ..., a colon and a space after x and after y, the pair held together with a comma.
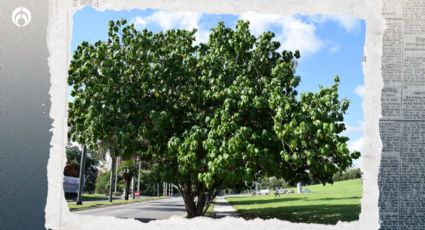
x: 208, y: 115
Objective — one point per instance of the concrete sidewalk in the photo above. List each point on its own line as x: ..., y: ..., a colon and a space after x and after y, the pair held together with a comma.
x: 223, y: 208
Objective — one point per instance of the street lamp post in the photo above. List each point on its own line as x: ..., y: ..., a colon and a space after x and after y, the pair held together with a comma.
x: 132, y: 188
x: 138, y: 177
x: 116, y: 174
x: 82, y: 171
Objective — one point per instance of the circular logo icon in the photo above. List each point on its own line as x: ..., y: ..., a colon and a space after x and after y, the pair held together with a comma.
x: 21, y: 16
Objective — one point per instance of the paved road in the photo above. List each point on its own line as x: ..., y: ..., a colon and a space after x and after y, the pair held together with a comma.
x: 145, y: 211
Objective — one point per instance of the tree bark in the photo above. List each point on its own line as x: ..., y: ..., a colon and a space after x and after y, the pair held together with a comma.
x: 193, y: 208
x: 189, y: 202
x: 202, y: 197
x: 111, y: 180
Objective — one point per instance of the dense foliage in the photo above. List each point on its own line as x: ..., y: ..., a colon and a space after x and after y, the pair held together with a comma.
x: 209, y: 116
x: 349, y: 174
x: 102, y: 183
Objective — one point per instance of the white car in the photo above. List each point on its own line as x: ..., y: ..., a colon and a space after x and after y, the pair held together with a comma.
x: 282, y: 191
x: 264, y: 192
x: 285, y: 191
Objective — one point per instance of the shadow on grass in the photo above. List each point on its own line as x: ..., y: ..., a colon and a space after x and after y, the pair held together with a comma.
x: 321, y: 214
x: 94, y: 198
x: 265, y: 201
x: 340, y: 198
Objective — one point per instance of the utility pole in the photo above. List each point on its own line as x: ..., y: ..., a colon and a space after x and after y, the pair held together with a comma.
x: 170, y: 189
x: 163, y: 188
x: 133, y: 184
x: 116, y: 174
x: 138, y: 177
x: 132, y: 187
x: 113, y: 163
x: 82, y: 172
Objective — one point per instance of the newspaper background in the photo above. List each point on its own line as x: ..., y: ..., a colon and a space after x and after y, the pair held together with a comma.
x: 60, y: 27
x: 402, y: 174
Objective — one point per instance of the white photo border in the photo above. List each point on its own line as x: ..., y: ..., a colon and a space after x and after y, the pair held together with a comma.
x: 59, y: 38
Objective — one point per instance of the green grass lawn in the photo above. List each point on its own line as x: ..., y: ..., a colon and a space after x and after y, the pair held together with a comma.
x: 91, y: 197
x: 98, y: 201
x: 325, y: 204
x: 210, y: 210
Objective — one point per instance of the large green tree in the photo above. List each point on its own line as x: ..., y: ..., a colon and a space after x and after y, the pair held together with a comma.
x: 211, y: 116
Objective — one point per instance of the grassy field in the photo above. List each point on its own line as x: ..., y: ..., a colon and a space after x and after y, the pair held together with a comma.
x: 97, y: 201
x: 91, y: 197
x: 325, y: 204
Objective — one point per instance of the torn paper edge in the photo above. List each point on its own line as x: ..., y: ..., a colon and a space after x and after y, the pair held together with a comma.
x: 59, y: 34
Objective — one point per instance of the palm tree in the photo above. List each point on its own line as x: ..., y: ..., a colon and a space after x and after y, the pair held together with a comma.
x: 127, y: 170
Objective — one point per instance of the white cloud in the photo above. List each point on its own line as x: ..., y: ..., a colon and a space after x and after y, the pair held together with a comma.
x: 357, y: 128
x: 182, y: 20
x: 295, y: 34
x: 353, y: 129
x: 347, y: 22
x: 334, y: 49
x: 298, y: 35
x: 356, y: 145
x: 259, y: 23
x: 174, y: 20
x: 202, y: 36
x: 139, y: 22
x: 360, y: 90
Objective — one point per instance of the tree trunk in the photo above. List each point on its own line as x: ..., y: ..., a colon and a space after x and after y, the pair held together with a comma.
x: 132, y: 187
x: 193, y: 208
x: 111, y: 181
x: 202, y: 198
x: 127, y: 188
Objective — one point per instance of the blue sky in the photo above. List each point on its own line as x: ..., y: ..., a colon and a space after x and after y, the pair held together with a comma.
x: 329, y: 46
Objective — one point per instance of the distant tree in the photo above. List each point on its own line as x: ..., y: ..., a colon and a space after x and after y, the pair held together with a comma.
x: 352, y: 173
x: 149, y: 178
x: 102, y: 183
x: 72, y: 168
x: 127, y: 170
